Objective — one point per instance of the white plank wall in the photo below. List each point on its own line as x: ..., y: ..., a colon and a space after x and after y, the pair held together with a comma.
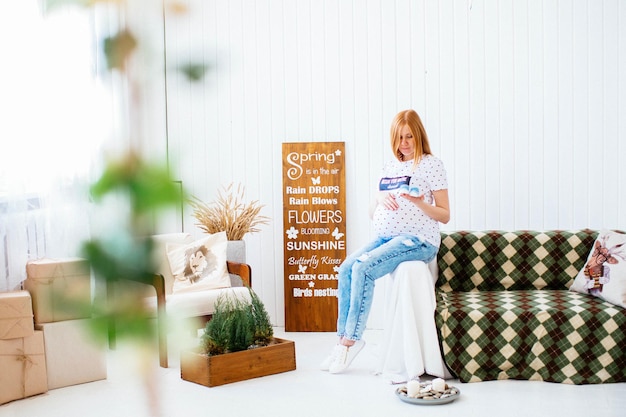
x: 524, y: 100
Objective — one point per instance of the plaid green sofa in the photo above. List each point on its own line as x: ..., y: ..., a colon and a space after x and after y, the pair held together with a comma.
x: 504, y: 309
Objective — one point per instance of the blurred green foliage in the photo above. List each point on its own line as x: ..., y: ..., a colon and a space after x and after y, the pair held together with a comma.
x: 125, y: 252
x: 194, y: 71
x: 148, y: 186
x: 119, y: 47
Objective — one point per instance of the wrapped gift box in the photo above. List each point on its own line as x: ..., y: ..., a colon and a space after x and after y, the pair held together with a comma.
x: 23, y: 367
x: 69, y: 343
x: 58, y: 288
x: 16, y: 315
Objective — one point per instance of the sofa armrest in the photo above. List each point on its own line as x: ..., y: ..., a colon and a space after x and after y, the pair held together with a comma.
x: 242, y: 270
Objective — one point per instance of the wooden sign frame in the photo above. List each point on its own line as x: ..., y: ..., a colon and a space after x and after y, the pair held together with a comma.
x: 314, y: 223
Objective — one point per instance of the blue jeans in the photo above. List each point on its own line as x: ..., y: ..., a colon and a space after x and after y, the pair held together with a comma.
x: 359, y: 271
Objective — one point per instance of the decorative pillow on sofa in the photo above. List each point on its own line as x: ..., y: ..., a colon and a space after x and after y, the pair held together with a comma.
x: 604, y: 273
x: 159, y: 254
x: 200, y: 265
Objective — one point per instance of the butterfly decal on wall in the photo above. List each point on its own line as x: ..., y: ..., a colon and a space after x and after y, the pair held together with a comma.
x: 315, y: 180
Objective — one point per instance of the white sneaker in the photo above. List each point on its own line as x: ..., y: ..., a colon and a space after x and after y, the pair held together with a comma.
x: 345, y: 357
x: 325, y: 365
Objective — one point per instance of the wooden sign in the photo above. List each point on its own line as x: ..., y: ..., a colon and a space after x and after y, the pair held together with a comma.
x: 314, y: 222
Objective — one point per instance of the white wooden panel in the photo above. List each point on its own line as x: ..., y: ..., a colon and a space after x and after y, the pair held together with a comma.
x: 276, y: 54
x: 431, y: 113
x: 377, y: 122
x: 356, y: 145
x: 580, y: 121
x: 318, y: 78
x: 520, y: 128
x: 290, y: 45
x: 537, y: 160
x: 478, y: 164
x: 304, y: 60
x: 620, y: 182
x: 273, y: 152
x: 444, y: 145
x: 226, y: 73
x: 248, y: 133
x: 461, y: 166
x: 246, y: 123
x: 507, y: 159
x: 235, y: 117
x: 264, y: 265
x: 611, y: 115
x: 595, y: 110
x: 492, y: 116
x: 523, y: 101
x: 565, y: 97
x: 403, y: 51
x: 332, y: 69
x: 389, y: 53
x: 417, y: 56
x: 346, y: 72
x: 551, y: 114
x: 209, y: 155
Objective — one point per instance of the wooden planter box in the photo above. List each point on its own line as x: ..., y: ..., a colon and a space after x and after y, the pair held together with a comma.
x: 223, y: 369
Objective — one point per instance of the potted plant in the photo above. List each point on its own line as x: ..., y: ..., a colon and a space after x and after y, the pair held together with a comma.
x: 229, y: 213
x: 238, y: 343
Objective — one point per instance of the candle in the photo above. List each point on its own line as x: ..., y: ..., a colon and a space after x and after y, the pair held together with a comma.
x: 439, y: 384
x: 412, y: 388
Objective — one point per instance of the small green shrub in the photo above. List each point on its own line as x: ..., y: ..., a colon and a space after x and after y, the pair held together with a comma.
x: 237, y: 325
x: 263, y: 330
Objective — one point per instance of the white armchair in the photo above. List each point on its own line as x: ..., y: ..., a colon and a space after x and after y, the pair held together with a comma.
x: 195, y: 306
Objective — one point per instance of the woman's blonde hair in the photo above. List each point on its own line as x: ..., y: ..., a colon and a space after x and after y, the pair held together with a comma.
x: 411, y: 119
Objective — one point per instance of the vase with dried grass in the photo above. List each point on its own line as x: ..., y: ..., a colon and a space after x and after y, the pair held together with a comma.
x: 232, y: 214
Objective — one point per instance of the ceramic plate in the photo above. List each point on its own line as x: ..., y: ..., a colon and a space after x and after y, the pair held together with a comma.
x: 436, y: 401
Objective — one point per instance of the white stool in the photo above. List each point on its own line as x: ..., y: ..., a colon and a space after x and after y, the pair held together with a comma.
x: 410, y: 347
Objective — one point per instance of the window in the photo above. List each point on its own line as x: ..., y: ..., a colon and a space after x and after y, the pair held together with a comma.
x: 53, y: 107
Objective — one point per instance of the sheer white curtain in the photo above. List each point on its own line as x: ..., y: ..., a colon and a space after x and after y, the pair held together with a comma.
x: 53, y: 120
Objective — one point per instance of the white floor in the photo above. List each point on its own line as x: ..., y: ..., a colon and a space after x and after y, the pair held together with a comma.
x: 307, y: 392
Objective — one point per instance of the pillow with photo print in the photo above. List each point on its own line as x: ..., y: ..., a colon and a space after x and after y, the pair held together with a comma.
x: 200, y: 265
x: 604, y: 273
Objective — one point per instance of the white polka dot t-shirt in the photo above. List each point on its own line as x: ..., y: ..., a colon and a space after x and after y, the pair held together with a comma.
x: 429, y: 176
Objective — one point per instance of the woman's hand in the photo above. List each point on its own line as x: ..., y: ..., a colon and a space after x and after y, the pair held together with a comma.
x: 440, y: 211
x: 388, y: 201
x: 413, y: 199
x: 385, y: 199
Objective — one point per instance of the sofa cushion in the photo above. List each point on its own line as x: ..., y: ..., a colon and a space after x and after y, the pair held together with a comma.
x: 195, y: 304
x: 200, y: 265
x: 604, y: 273
x: 518, y: 260
x: 557, y: 336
